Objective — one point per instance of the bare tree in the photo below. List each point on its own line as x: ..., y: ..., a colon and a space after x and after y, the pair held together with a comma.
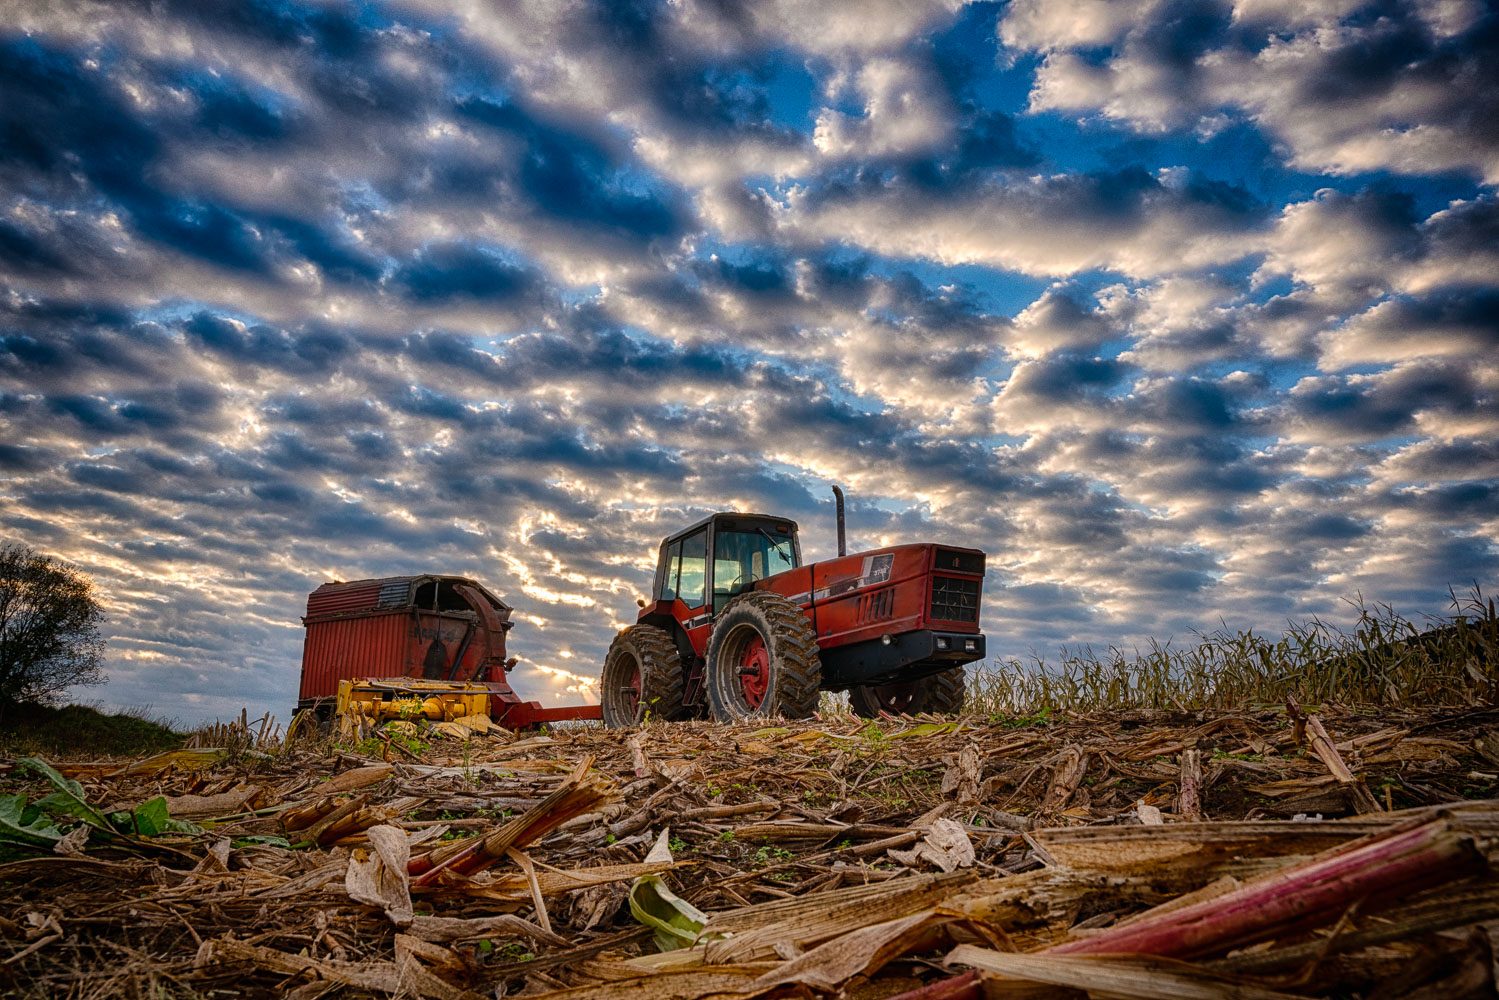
x: 49, y: 627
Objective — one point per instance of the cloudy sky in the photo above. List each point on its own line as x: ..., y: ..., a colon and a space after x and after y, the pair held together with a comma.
x: 1182, y: 311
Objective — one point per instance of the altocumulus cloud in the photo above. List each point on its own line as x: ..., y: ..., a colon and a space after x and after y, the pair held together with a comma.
x: 1179, y: 310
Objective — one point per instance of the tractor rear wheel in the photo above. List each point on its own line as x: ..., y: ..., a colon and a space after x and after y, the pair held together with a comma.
x: 940, y: 694
x: 642, y: 678
x: 762, y: 660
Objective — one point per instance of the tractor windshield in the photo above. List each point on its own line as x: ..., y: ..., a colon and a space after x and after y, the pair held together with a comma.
x: 742, y: 557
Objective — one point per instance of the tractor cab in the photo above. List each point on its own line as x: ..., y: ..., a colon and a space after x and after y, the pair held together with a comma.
x: 703, y: 567
x: 722, y: 556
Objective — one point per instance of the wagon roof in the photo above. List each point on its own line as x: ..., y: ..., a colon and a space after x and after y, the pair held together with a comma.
x: 387, y: 593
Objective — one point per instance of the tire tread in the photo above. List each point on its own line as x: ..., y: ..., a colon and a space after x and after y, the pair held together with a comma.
x: 941, y: 693
x: 661, y: 680
x: 798, y: 681
x: 947, y: 692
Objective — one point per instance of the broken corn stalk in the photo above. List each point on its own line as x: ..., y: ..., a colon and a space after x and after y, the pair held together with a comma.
x: 579, y: 793
x: 1405, y: 859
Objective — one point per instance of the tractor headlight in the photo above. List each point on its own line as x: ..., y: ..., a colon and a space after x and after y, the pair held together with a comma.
x: 943, y: 642
x: 886, y: 639
x: 970, y: 645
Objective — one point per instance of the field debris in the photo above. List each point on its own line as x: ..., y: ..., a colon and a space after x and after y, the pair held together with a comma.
x: 1269, y: 853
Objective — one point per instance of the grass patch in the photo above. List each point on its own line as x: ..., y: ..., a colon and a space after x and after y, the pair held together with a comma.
x: 82, y: 730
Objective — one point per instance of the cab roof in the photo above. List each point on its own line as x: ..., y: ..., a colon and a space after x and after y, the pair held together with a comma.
x: 730, y: 515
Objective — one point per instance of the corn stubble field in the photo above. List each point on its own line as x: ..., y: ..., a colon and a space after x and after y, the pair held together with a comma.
x: 1306, y: 816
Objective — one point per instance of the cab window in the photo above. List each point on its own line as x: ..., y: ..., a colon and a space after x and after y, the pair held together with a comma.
x: 692, y: 584
x: 673, y: 567
x: 742, y: 557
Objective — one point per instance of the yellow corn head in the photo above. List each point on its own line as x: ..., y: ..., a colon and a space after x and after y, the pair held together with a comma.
x: 375, y: 700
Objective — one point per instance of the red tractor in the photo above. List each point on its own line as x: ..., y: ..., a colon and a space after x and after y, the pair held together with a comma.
x: 739, y: 628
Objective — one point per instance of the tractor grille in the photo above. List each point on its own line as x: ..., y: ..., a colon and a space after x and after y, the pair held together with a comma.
x: 875, y: 606
x: 955, y: 600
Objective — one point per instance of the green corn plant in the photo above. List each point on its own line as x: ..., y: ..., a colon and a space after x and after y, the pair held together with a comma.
x: 1384, y: 658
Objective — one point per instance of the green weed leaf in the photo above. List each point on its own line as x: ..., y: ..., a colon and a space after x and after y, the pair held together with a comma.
x: 23, y: 826
x: 68, y: 798
x: 151, y: 817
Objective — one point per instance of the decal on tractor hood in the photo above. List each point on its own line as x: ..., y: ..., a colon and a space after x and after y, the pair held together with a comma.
x: 876, y: 569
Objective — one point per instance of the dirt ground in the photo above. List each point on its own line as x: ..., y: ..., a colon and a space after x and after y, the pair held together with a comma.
x: 1259, y: 854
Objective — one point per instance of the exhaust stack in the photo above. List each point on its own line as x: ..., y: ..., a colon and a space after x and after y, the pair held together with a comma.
x: 838, y: 502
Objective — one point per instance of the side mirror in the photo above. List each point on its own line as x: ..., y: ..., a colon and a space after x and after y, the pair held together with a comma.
x: 510, y: 663
x: 640, y: 602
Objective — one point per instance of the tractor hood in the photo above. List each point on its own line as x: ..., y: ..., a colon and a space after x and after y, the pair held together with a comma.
x: 865, y: 595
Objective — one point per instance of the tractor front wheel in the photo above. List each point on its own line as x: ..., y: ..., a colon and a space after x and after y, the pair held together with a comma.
x: 642, y: 678
x: 762, y: 660
x: 940, y: 694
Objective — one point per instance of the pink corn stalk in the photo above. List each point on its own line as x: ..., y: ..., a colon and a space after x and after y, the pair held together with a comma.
x: 1405, y: 859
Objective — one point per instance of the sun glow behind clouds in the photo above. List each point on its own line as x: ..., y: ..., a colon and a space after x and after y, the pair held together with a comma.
x: 566, y: 687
